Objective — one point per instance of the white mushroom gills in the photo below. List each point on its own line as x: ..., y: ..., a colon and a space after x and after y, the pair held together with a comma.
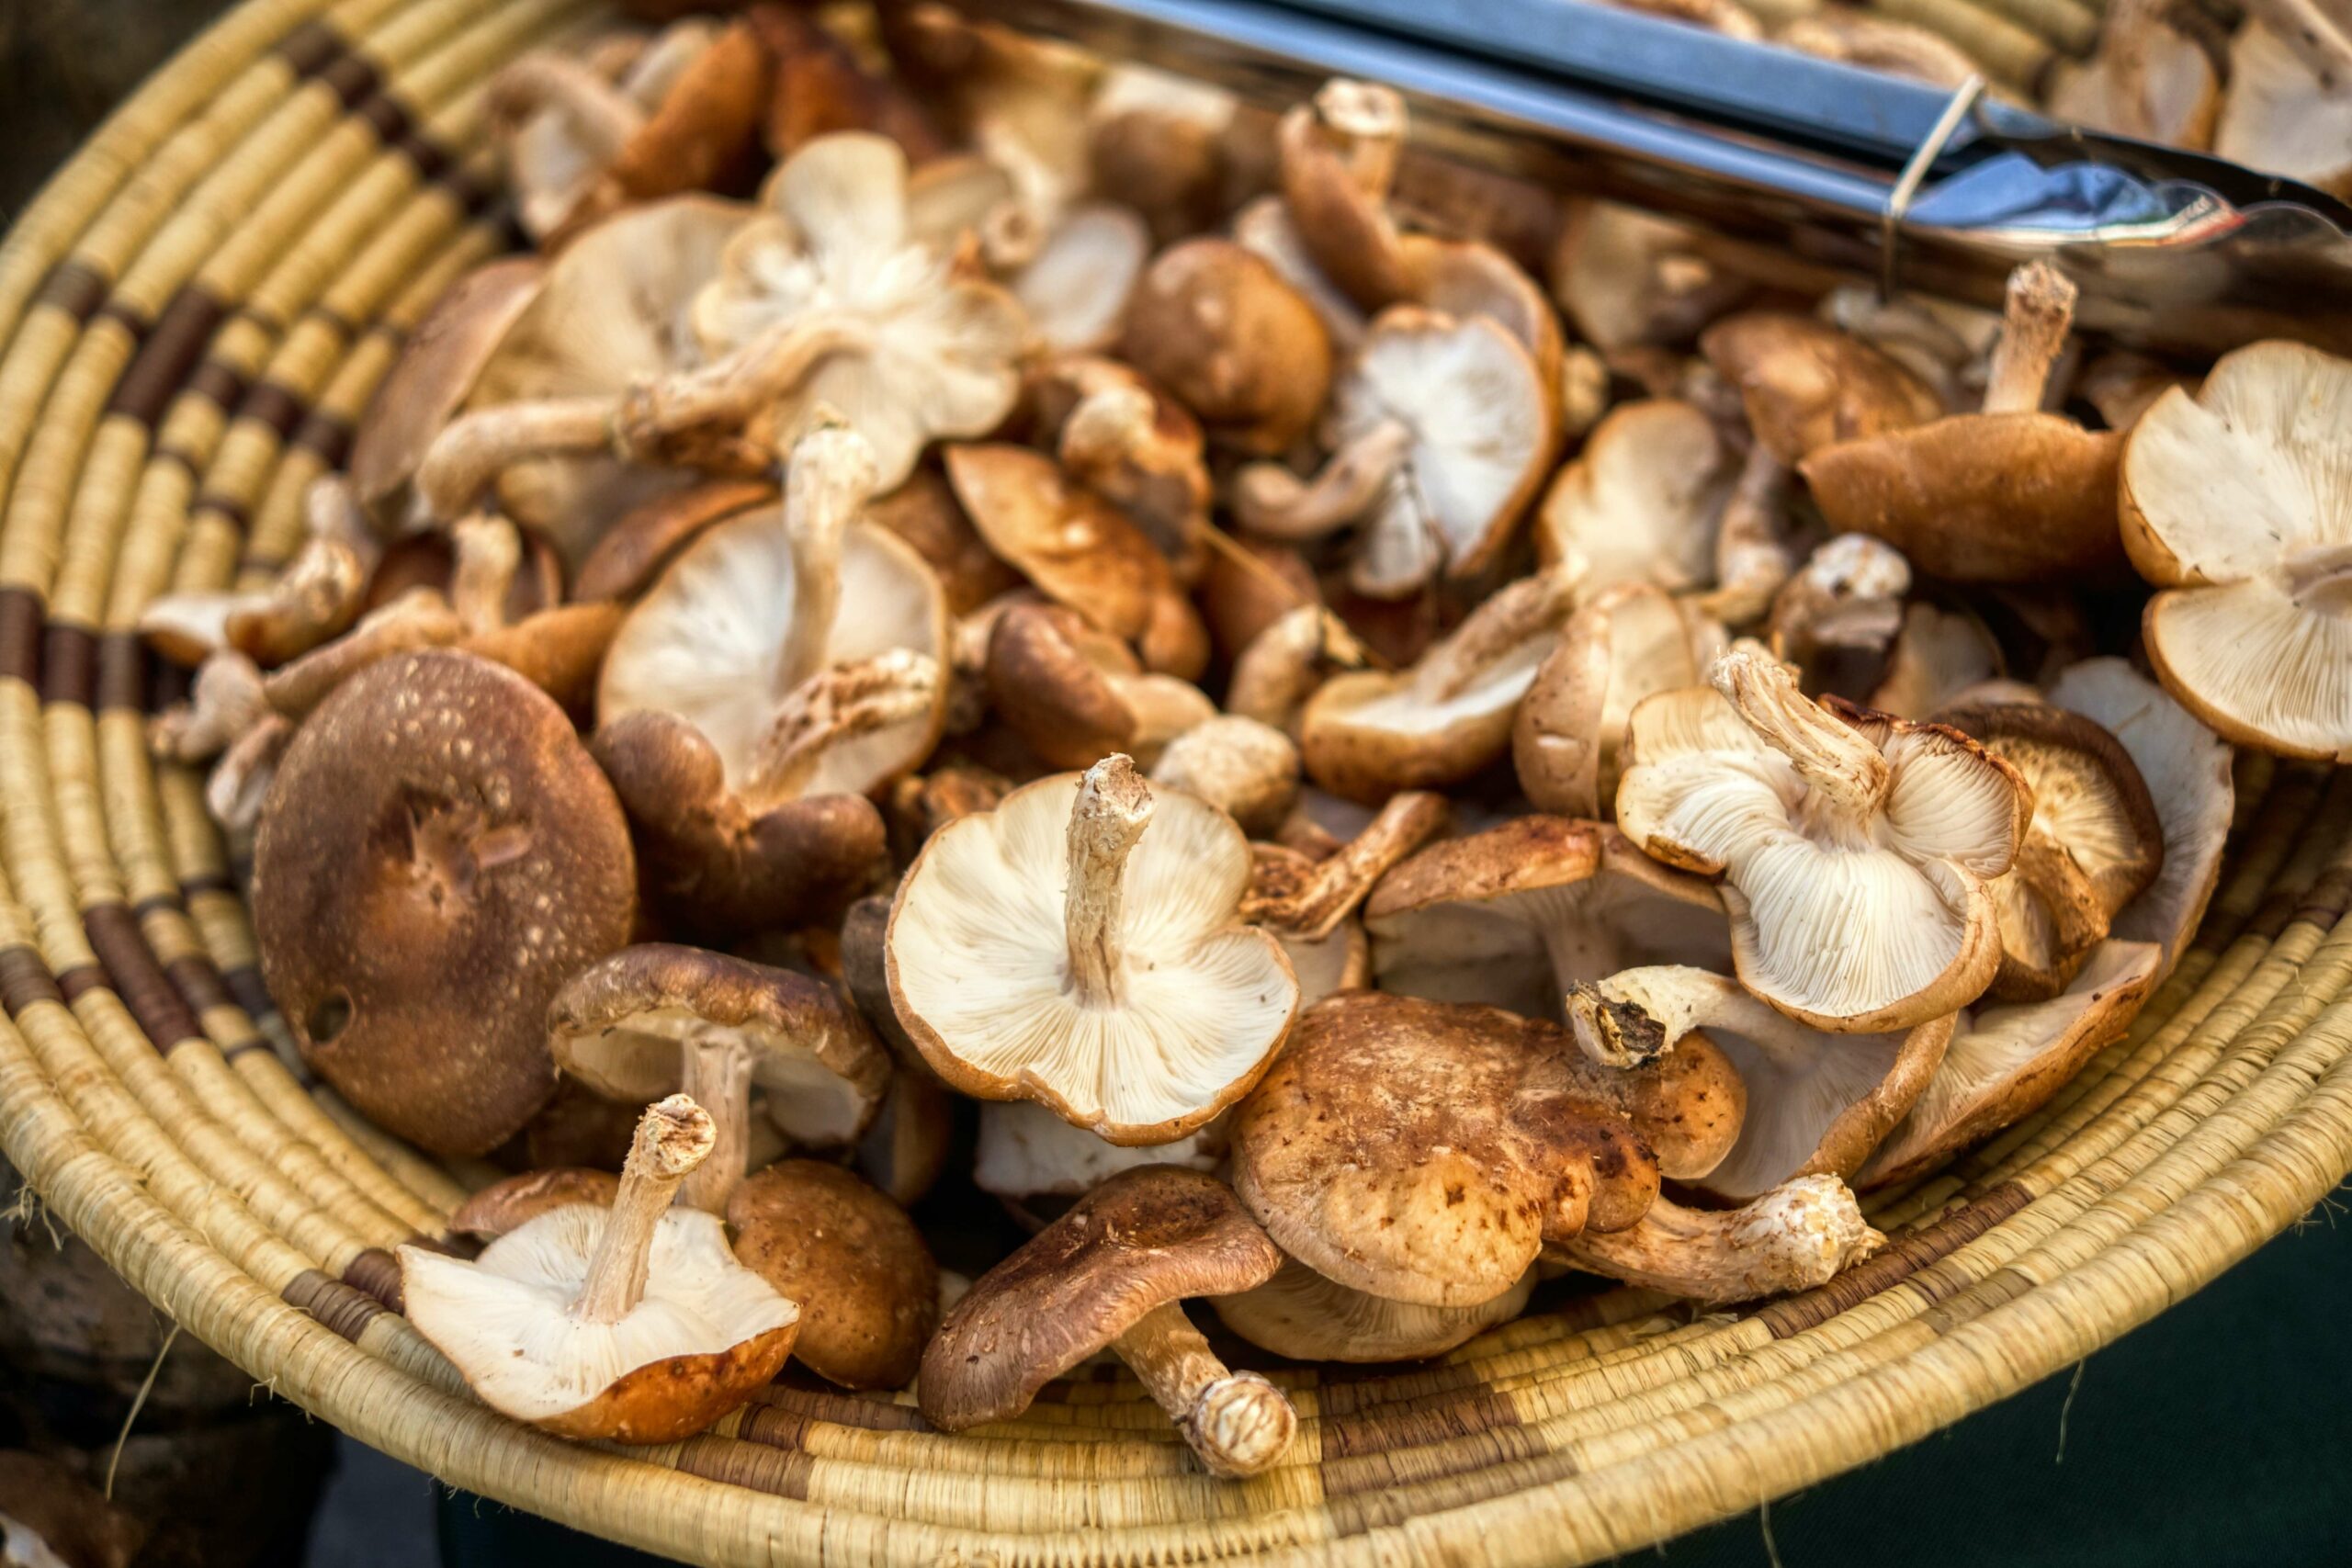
x: 732, y: 391
x: 2039, y: 311
x: 673, y: 1138
x: 1848, y: 777
x: 1237, y: 1421
x: 1113, y: 809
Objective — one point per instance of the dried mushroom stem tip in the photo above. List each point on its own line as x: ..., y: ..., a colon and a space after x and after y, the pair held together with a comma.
x: 674, y: 1138
x: 1614, y: 1033
x: 1237, y: 1421
x: 226, y: 700
x: 1372, y: 118
x: 1800, y: 1235
x: 2034, y: 323
x: 601, y: 115
x: 1108, y: 426
x: 1339, y: 884
x: 1843, y: 768
x: 1271, y: 500
x: 489, y: 553
x: 1113, y: 809
x: 833, y: 708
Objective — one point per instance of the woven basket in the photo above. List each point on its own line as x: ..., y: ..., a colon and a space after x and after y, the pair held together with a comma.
x: 195, y: 311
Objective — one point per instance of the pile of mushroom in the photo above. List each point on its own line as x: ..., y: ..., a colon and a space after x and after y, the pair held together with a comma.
x: 1068, y: 684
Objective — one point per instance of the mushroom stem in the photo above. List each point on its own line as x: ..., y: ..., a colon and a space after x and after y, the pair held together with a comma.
x: 1284, y: 664
x: 2319, y: 577
x: 728, y: 395
x: 1844, y: 772
x: 332, y: 515
x: 240, y: 779
x: 1752, y: 554
x: 1505, y: 623
x: 673, y: 1136
x: 715, y: 1074
x: 1344, y: 880
x: 1237, y: 1421
x: 603, y: 116
x: 1800, y: 1235
x: 1271, y: 500
x: 832, y: 707
x: 2034, y: 322
x: 225, y: 702
x: 1366, y: 120
x: 827, y: 483
x: 470, y: 454
x: 489, y: 553
x: 1113, y: 809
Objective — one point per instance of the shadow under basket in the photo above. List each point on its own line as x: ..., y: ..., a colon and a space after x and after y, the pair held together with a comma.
x: 194, y: 312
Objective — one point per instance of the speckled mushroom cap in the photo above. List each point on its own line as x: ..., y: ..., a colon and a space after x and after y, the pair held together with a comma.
x: 621, y: 1025
x: 1424, y: 1152
x: 867, y: 1288
x: 437, y: 855
x: 1141, y: 1240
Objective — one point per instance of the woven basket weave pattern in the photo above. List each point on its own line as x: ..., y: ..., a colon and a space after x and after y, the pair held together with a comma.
x: 193, y: 313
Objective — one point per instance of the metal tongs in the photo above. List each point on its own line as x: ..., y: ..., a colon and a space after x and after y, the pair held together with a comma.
x: 1824, y: 165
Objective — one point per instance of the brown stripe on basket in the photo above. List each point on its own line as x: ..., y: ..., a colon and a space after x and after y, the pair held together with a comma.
x: 376, y: 1273
x: 69, y: 664
x: 325, y: 436
x: 274, y: 406
x: 1903, y: 1258
x: 842, y: 1409
x: 221, y: 384
x: 244, y: 984
x: 774, y: 1429
x: 137, y: 977
x: 20, y: 618
x: 310, y: 47
x: 353, y: 79
x: 171, y: 353
x: 197, y: 980
x: 76, y: 288
x: 1485, y: 1412
x: 126, y: 668
x: 230, y: 510
x: 205, y: 882
x: 345, y: 1311
x: 24, y: 980
x: 79, y: 981
x: 173, y: 682
x: 2329, y: 897
x: 780, y: 1472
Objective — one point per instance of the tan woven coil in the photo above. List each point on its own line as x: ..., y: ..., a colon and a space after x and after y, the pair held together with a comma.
x: 195, y: 311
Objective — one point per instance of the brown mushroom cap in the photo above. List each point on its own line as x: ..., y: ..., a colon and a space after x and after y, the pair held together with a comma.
x: 505, y: 1205
x: 1143, y: 1240
x: 1076, y: 694
x: 706, y: 125
x: 924, y: 514
x: 1339, y: 158
x: 1217, y: 326
x: 1424, y: 1152
x: 1301, y: 1315
x: 643, y: 541
x: 1806, y: 385
x: 867, y: 1288
x: 2093, y: 845
x: 437, y: 855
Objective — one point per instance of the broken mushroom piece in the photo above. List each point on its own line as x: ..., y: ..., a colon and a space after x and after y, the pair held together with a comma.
x: 2009, y: 494
x: 1642, y: 502
x: 1842, y: 612
x: 1301, y: 1315
x: 1081, y: 946
x: 1112, y: 1272
x: 437, y: 856
x: 1854, y: 849
x: 1241, y: 348
x: 632, y: 1323
x: 806, y: 645
x: 1623, y: 644
x: 1815, y: 1102
x: 1516, y: 915
x: 1075, y: 695
x: 868, y: 1287
x: 2093, y: 845
x: 1245, y: 769
x: 1340, y: 959
x: 2148, y: 79
x: 1440, y: 431
x: 315, y: 599
x: 2288, y: 108
x: 657, y: 1018
x: 1800, y: 1235
x: 2228, y: 509
x: 1366, y: 735
x: 1131, y: 443
x: 2006, y: 1062
x: 1424, y: 1153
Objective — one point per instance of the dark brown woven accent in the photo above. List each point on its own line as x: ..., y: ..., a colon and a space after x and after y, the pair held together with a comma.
x: 74, y: 287
x: 377, y: 1273
x: 843, y: 1409
x: 778, y: 1472
x: 245, y: 985
x: 69, y: 664
x: 1355, y: 1437
x: 353, y: 79
x: 334, y: 320
x: 199, y: 983
x: 24, y: 980
x: 223, y: 386
x: 422, y: 152
x: 123, y: 666
x: 171, y: 353
x: 773, y: 1427
x: 205, y: 882
x: 386, y: 117
x: 20, y: 618
x: 2328, y: 898
x: 275, y: 407
x: 463, y: 1246
x: 229, y: 510
x: 172, y: 685
x: 78, y: 981
x: 326, y: 436
x: 1903, y: 1258
x: 157, y: 904
x: 1365, y: 1493
x: 310, y: 47
x: 185, y: 461
x: 332, y: 1302
x: 137, y: 977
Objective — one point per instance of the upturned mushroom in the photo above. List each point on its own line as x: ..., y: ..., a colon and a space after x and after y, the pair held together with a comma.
x: 1025, y: 1152
x: 1081, y: 946
x: 868, y: 1288
x: 1815, y: 1102
x: 657, y: 1018
x: 1425, y: 1153
x: 1517, y: 915
x: 437, y: 856
x: 1245, y: 769
x: 1623, y: 644
x: 1799, y: 1235
x: 1308, y: 1317
x: 1441, y: 430
x: 2148, y: 79
x: 1219, y: 327
x: 1112, y: 1273
x: 2093, y: 845
x: 1854, y: 849
x: 2288, y: 108
x: 806, y: 646
x: 2228, y: 508
x: 632, y: 1323
x: 1076, y: 694
x: 509, y: 1204
x: 1644, y: 500
x: 2007, y: 495
x: 1367, y: 734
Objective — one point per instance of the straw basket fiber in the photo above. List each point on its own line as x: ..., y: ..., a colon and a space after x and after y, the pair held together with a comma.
x: 192, y: 314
